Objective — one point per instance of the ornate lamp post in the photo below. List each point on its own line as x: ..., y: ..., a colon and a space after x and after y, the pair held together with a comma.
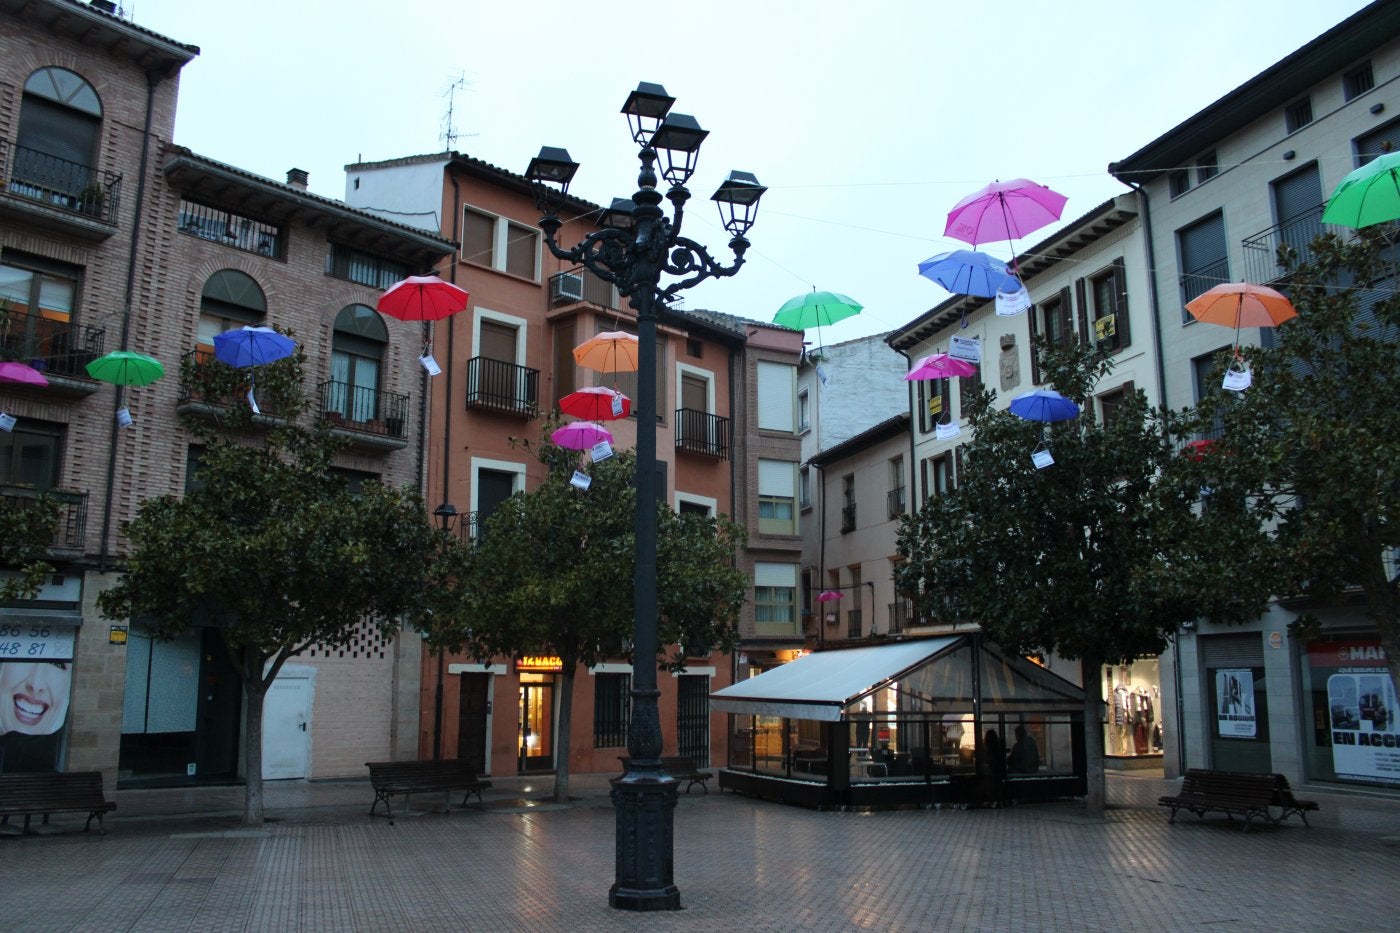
x: 637, y: 245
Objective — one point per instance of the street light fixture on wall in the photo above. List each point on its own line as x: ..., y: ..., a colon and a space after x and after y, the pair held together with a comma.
x: 632, y: 251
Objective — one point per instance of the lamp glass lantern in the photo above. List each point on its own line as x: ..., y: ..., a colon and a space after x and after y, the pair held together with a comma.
x: 646, y: 107
x: 620, y: 215
x: 551, y: 167
x: 737, y: 199
x: 677, y: 144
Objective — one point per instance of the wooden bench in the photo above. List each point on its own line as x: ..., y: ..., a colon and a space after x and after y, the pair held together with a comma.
x: 1288, y: 804
x: 1247, y: 793
x: 25, y: 794
x: 390, y: 778
x: 682, y: 769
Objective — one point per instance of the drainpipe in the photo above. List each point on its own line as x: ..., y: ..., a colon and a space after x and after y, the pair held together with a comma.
x: 821, y: 551
x: 153, y: 80
x: 737, y: 358
x: 451, y: 346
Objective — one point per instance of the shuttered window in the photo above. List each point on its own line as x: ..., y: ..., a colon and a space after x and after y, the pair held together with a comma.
x: 777, y: 394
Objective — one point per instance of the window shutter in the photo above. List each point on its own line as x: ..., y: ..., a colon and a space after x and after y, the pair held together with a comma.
x: 1083, y: 304
x: 777, y: 395
x: 1033, y: 327
x: 1120, y: 303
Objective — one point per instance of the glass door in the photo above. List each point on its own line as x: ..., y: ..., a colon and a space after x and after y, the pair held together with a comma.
x: 536, y: 741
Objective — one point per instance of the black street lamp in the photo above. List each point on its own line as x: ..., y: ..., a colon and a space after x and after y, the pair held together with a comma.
x: 446, y: 515
x: 632, y: 251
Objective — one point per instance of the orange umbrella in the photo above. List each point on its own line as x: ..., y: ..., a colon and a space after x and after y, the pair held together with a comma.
x: 1239, y: 304
x: 612, y: 351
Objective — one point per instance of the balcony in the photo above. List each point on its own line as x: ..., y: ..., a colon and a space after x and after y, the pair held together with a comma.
x: 852, y: 623
x: 212, y: 389
x: 367, y: 418
x: 580, y: 286
x: 72, y: 513
x: 901, y: 614
x: 59, y: 195
x: 700, y: 432
x: 1261, y: 261
x: 848, y: 518
x: 1194, y: 284
x: 895, y: 500
x: 501, y: 387
x: 59, y: 349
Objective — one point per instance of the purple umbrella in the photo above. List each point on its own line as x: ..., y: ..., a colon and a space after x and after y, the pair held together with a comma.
x: 1044, y: 405
x: 939, y: 366
x: 1004, y: 210
x: 580, y: 435
x: 21, y: 374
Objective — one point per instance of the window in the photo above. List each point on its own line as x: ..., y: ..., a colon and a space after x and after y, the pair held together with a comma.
x: 236, y: 230
x: 30, y: 454
x: 1380, y: 140
x: 896, y: 494
x: 777, y: 512
x: 1051, y: 323
x: 500, y: 244
x: 848, y: 503
x: 695, y: 506
x: 1297, y: 115
x: 522, y: 250
x: 935, y: 404
x: 775, y: 597
x: 1204, y: 374
x: 804, y: 488
x: 804, y: 411
x: 1109, y: 293
x: 357, y: 348
x: 612, y: 709
x: 60, y: 119
x: 694, y: 348
x: 36, y: 308
x: 493, y: 483
x: 1203, y: 258
x: 1179, y: 182
x: 478, y: 237
x: 1207, y: 167
x: 938, y: 476
x: 1111, y: 403
x: 355, y: 265
x: 230, y: 300
x: 1358, y: 81
x: 777, y: 387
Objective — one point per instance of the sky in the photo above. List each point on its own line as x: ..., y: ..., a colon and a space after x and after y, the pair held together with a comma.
x: 867, y: 123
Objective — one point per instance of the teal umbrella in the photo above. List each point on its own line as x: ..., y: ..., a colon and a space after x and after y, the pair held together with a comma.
x: 1369, y: 195
x: 816, y: 309
x: 126, y: 368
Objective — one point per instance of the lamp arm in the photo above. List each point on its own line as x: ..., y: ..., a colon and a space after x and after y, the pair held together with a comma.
x: 688, y: 258
x: 602, y: 252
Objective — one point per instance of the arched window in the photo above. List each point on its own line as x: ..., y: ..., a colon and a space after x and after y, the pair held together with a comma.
x: 59, y: 119
x: 230, y: 300
x: 357, y: 350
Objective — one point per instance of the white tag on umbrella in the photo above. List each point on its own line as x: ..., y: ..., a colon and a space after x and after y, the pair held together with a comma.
x: 7, y: 422
x: 123, y: 418
x: 602, y: 451
x: 1237, y: 380
x: 945, y: 431
x: 617, y: 405
x: 253, y: 403
x: 580, y: 480
x: 430, y: 364
x: 1010, y: 304
x: 1042, y: 459
x: 967, y: 349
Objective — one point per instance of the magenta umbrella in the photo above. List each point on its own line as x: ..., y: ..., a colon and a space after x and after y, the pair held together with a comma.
x: 580, y: 435
x: 939, y: 366
x: 1004, y: 210
x: 827, y: 596
x: 21, y: 374
x: 595, y: 403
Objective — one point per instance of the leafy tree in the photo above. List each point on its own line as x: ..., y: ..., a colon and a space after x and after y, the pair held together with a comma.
x: 1082, y: 558
x: 27, y: 529
x: 275, y: 550
x: 1307, y: 459
x: 553, y: 575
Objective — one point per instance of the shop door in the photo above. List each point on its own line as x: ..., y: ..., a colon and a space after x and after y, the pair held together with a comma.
x: 1239, y: 709
x: 286, y: 735
x: 693, y: 718
x: 536, y: 743
x: 473, y: 708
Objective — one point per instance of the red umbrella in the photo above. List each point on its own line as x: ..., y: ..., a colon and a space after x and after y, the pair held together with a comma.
x: 1196, y: 451
x: 422, y: 298
x: 595, y: 403
x: 21, y: 374
x: 580, y: 435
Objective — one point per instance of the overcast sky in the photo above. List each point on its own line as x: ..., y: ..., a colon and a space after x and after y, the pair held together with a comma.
x: 867, y: 122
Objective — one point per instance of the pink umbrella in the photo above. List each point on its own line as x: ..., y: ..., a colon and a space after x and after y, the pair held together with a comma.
x: 939, y: 366
x: 827, y: 596
x: 1004, y: 210
x: 595, y: 403
x: 580, y: 435
x: 21, y: 374
x: 422, y: 298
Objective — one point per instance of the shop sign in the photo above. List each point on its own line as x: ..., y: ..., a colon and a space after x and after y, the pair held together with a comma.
x: 1234, y: 699
x: 541, y: 663
x: 22, y: 640
x: 1362, y: 709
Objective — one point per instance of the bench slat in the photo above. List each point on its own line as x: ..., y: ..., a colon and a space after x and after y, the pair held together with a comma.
x: 28, y: 794
x: 392, y: 778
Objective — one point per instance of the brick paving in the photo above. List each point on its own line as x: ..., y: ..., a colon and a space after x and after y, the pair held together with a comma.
x: 179, y: 860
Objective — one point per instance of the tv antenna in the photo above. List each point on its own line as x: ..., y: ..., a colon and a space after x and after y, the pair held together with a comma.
x: 449, y: 131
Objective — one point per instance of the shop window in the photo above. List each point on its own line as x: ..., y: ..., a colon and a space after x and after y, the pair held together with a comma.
x: 1135, y: 711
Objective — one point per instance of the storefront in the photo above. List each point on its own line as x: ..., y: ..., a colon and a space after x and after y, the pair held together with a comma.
x: 1350, y: 704
x: 912, y: 722
x: 1134, y: 727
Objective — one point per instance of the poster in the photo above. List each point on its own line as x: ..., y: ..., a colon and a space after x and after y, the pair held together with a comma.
x: 36, y: 677
x: 1362, y: 709
x: 1234, y: 699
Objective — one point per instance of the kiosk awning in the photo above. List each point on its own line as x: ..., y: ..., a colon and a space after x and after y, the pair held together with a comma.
x: 820, y: 686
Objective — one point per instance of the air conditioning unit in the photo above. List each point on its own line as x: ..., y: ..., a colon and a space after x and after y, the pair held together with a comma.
x: 568, y: 286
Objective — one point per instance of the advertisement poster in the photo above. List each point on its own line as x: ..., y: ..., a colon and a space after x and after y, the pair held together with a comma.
x: 1362, y: 710
x: 36, y: 675
x: 1234, y: 697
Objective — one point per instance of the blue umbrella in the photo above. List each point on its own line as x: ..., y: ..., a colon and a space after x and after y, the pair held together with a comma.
x: 966, y: 272
x: 252, y: 346
x: 1044, y: 405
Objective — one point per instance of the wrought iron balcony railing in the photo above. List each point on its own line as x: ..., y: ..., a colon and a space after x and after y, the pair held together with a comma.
x: 51, y: 346
x: 1194, y: 284
x: 209, y: 383
x: 59, y: 183
x: 702, y: 433
x: 895, y: 499
x: 848, y: 518
x: 1261, y: 263
x: 369, y: 411
x: 852, y: 623
x: 901, y: 614
x: 495, y: 385
x: 72, y: 512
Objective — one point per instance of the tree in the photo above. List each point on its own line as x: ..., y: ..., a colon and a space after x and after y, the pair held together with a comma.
x: 553, y: 575
x: 275, y: 550
x: 27, y: 529
x: 1307, y: 459
x: 1083, y: 558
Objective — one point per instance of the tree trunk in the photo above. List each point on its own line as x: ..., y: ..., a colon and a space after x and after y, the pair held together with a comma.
x: 561, y: 747
x: 1096, y: 790
x: 255, y: 691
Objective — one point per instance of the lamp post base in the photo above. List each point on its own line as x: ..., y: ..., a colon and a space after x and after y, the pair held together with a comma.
x: 645, y: 800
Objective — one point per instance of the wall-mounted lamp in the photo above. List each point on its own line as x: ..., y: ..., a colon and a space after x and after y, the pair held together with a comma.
x: 1377, y: 107
x: 1289, y: 155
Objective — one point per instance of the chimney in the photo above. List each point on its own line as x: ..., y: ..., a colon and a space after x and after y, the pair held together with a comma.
x: 296, y: 177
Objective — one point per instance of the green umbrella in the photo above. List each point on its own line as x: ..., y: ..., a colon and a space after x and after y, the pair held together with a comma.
x: 816, y: 309
x: 126, y: 368
x: 1369, y: 195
